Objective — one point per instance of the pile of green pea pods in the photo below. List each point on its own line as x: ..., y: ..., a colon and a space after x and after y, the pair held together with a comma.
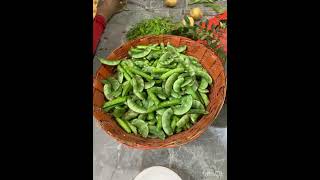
x: 157, y: 92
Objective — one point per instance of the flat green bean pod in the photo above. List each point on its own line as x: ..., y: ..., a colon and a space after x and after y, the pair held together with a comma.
x: 194, y: 117
x: 135, y: 107
x: 177, y: 84
x: 204, y: 75
x: 181, y: 48
x: 132, y: 127
x: 205, y: 98
x: 183, y: 121
x: 109, y: 62
x: 166, y: 121
x: 203, y: 84
x: 169, y: 73
x: 184, y: 107
x: 107, y: 89
x: 114, y: 83
x: 149, y: 84
x: 123, y: 124
x: 155, y: 131
x: 169, y: 83
x: 119, y: 100
x: 142, y: 126
x: 197, y: 104
x: 137, y: 83
x: 141, y: 54
x: 118, y: 111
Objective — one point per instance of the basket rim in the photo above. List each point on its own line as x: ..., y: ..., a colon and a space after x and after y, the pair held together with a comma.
x: 172, y: 145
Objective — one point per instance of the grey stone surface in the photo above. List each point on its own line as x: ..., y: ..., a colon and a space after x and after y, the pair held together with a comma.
x: 203, y: 159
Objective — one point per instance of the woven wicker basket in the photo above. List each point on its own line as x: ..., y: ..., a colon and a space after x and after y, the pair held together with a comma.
x: 216, y: 95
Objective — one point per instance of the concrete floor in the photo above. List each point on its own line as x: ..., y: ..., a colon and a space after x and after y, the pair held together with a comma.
x: 202, y: 159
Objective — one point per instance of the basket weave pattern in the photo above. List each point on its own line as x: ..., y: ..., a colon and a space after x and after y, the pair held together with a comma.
x: 216, y: 95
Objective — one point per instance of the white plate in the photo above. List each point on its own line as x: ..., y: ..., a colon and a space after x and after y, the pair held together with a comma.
x: 157, y: 173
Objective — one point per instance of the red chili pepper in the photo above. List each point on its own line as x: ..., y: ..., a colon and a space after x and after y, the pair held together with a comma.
x: 223, y: 33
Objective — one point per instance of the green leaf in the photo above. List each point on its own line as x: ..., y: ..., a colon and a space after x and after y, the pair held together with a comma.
x: 206, y: 24
x: 187, y: 20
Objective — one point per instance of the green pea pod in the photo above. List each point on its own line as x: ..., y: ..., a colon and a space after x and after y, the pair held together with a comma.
x: 142, y: 116
x: 187, y: 81
x: 114, y: 83
x: 135, y: 51
x: 159, y: 133
x: 150, y: 116
x: 181, y: 48
x: 172, y: 66
x: 204, y: 75
x: 126, y: 88
x: 110, y: 108
x: 149, y: 84
x: 175, y: 94
x: 109, y: 62
x: 119, y: 111
x: 142, y: 126
x: 139, y: 63
x: 183, y: 121
x: 188, y: 125
x: 159, y: 122
x: 186, y: 103
x: 130, y: 115
x: 140, y: 95
x: 162, y: 96
x: 169, y: 73
x: 139, y: 72
x: 153, y: 97
x: 183, y: 75
x: 147, y: 69
x: 164, y: 104
x: 141, y: 54
x: 174, y: 123
x: 160, y: 70
x: 135, y: 107
x: 137, y: 83
x: 178, y: 130
x: 169, y: 83
x: 177, y: 84
x: 203, y: 84
x: 172, y: 50
x: 107, y: 89
x: 203, y: 91
x: 205, y: 98
x: 152, y: 122
x: 194, y: 117
x: 120, y: 77
x: 119, y: 100
x: 166, y: 121
x: 123, y: 124
x: 167, y: 61
x: 125, y: 73
x: 117, y: 92
x: 190, y: 91
x: 132, y: 127
x: 197, y: 111
x: 160, y: 111
x: 164, y: 57
x: 142, y: 47
x: 197, y: 105
x: 158, y: 91
x: 126, y: 68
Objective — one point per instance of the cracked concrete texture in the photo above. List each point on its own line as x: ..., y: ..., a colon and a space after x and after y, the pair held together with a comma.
x: 202, y: 159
